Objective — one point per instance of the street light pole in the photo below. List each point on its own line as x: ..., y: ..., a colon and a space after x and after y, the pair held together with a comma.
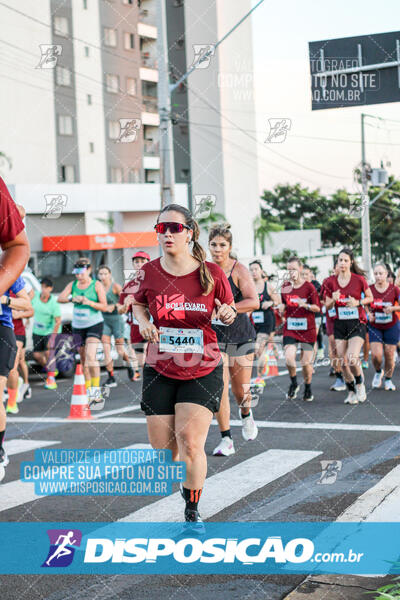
x: 167, y: 167
x: 365, y: 228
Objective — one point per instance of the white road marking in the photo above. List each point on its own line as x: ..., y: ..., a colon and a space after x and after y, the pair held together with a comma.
x: 233, y: 423
x: 379, y: 503
x: 17, y: 492
x: 239, y: 481
x: 116, y: 411
x: 17, y: 446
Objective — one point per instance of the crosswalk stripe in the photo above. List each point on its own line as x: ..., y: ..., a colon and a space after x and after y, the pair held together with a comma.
x: 379, y: 503
x: 228, y: 486
x: 17, y: 492
x: 233, y: 423
x: 17, y: 446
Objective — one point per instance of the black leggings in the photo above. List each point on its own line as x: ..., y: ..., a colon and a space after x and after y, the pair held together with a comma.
x: 319, y: 338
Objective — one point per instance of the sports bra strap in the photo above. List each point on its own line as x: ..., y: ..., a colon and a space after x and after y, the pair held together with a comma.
x: 234, y: 265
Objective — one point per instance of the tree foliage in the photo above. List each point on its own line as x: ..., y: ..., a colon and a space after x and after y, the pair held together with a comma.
x: 297, y: 207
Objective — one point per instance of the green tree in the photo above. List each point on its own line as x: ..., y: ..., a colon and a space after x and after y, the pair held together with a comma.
x: 262, y: 229
x: 282, y: 258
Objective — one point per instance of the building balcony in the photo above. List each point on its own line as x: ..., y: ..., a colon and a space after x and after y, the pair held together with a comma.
x: 150, y: 118
x: 147, y: 31
x: 151, y: 163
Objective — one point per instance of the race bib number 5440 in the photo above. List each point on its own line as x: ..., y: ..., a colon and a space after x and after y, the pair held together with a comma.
x: 181, y: 341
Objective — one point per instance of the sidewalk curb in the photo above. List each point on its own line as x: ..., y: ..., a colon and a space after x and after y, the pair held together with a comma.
x: 338, y: 587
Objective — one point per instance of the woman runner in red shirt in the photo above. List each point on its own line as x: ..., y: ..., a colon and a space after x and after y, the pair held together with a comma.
x: 336, y: 369
x: 300, y: 302
x: 383, y: 326
x: 348, y: 293
x: 182, y: 377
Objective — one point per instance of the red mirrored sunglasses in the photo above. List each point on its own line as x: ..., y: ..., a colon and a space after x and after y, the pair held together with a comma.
x: 173, y: 227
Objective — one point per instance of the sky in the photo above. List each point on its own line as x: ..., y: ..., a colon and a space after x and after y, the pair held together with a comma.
x: 281, y: 32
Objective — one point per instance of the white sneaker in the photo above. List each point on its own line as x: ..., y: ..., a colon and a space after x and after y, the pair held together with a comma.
x: 249, y: 427
x: 225, y: 447
x: 389, y: 386
x: 360, y: 392
x: 22, y: 391
x: 351, y: 398
x: 377, y: 380
x: 28, y: 393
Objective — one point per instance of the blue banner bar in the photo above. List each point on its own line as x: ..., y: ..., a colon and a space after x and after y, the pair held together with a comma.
x: 226, y: 548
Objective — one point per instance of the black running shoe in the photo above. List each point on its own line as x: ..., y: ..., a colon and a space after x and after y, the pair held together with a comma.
x: 292, y: 392
x: 308, y: 397
x: 3, y: 457
x: 194, y: 522
x: 111, y: 381
x: 131, y: 373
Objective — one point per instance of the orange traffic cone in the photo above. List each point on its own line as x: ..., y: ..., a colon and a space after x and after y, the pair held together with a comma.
x: 272, y: 362
x: 79, y: 402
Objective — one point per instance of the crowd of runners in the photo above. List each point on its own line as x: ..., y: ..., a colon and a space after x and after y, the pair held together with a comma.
x: 193, y: 330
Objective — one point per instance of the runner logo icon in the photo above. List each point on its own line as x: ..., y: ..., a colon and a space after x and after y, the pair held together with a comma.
x: 61, y: 551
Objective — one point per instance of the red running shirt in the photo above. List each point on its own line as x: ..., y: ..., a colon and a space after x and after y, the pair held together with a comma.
x: 19, y: 327
x: 356, y: 288
x: 331, y: 313
x: 300, y: 322
x: 391, y: 297
x: 179, y: 303
x: 11, y: 223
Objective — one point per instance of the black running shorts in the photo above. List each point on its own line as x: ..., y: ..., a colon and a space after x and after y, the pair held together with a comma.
x: 160, y: 393
x: 8, y: 350
x: 344, y: 329
x: 95, y: 331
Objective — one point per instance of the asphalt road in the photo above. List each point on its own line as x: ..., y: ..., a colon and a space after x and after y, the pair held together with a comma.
x: 364, y: 438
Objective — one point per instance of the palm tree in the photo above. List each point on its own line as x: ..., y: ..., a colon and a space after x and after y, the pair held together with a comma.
x: 263, y: 229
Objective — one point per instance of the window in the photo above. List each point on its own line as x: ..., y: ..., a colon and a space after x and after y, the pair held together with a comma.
x: 67, y: 173
x: 131, y: 86
x: 61, y: 26
x: 65, y: 125
x: 110, y: 37
x: 91, y: 147
x: 87, y: 51
x: 134, y: 176
x: 112, y: 84
x: 63, y: 76
x: 129, y: 41
x: 116, y: 175
x: 89, y: 98
x: 113, y: 130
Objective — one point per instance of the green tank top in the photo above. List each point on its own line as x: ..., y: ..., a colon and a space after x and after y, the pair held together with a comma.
x: 83, y: 315
x: 112, y: 298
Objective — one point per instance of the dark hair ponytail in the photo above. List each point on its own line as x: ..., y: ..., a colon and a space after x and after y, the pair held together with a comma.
x: 206, y: 279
